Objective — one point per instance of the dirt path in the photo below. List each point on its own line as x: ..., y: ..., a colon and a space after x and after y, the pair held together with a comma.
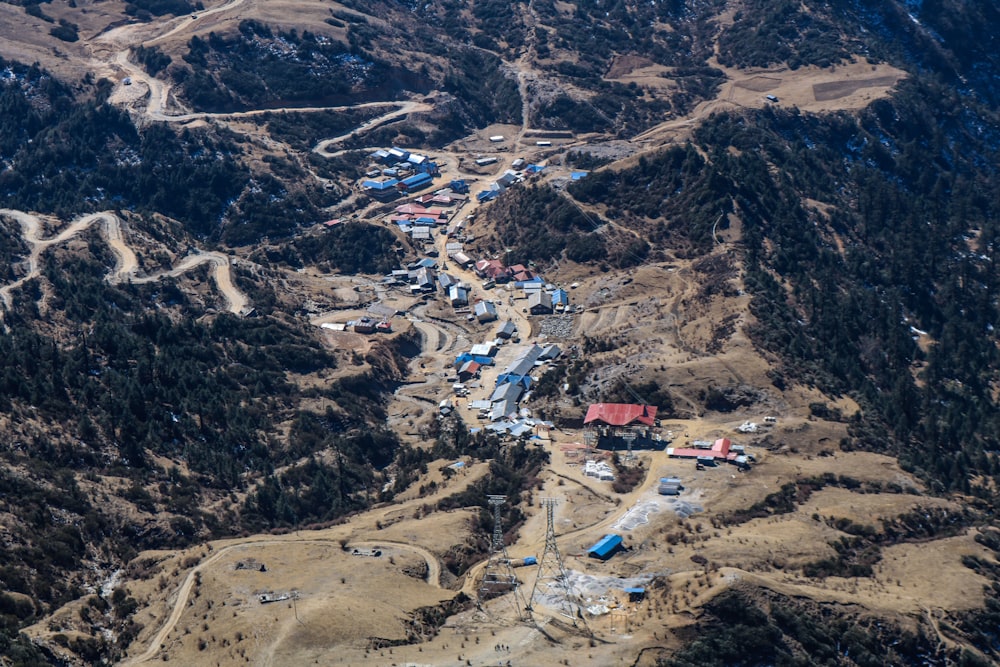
x: 522, y: 66
x: 31, y: 230
x: 404, y: 109
x: 126, y: 264
x: 221, y: 274
x: 192, y: 20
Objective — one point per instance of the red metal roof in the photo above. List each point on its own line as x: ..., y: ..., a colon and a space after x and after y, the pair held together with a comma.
x: 620, y: 414
x: 692, y: 453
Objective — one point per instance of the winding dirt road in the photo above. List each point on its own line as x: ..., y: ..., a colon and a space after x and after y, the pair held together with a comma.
x: 126, y: 264
x: 404, y: 109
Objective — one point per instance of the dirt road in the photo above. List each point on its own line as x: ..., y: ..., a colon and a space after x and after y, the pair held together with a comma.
x: 126, y: 264
x: 221, y: 274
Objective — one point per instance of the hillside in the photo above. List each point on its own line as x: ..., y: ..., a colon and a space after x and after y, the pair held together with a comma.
x: 240, y: 297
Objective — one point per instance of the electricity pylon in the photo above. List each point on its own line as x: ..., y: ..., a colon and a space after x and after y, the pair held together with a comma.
x: 498, y: 576
x: 552, y: 580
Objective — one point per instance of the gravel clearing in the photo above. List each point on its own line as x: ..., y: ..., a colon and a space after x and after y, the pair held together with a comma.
x: 557, y: 326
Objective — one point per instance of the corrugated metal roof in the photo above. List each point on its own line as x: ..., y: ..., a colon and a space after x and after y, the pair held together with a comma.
x: 416, y: 179
x: 380, y: 185
x: 508, y: 391
x: 502, y: 409
x: 525, y: 362
x: 506, y: 329
x: 620, y: 414
x: 606, y: 547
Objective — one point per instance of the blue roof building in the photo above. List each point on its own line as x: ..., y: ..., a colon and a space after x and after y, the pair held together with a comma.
x: 459, y: 186
x: 416, y: 181
x: 537, y: 280
x: 606, y: 548
x: 380, y: 185
x: 523, y: 380
x: 560, y: 298
x: 479, y: 359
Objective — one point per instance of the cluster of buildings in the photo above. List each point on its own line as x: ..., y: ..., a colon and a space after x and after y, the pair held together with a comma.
x: 507, y: 179
x: 513, y: 384
x: 543, y: 298
x: 397, y: 170
x: 708, y: 454
x: 419, y: 218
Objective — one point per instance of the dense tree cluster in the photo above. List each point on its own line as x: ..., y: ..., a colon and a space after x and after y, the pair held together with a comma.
x: 145, y: 374
x: 259, y: 67
x: 349, y: 248
x: 67, y: 157
x: 151, y: 58
x: 484, y: 93
x: 909, y: 179
x: 146, y: 9
x: 756, y: 627
x: 765, y: 32
x: 677, y: 194
x: 538, y: 224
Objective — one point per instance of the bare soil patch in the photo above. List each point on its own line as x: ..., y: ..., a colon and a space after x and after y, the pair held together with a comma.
x: 625, y: 65
x: 759, y: 84
x: 834, y: 90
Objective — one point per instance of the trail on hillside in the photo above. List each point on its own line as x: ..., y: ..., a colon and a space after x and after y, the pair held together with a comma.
x: 126, y: 263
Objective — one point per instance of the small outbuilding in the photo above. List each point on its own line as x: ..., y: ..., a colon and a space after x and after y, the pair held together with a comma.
x: 607, y: 547
x: 507, y: 330
x: 636, y: 594
x: 486, y: 311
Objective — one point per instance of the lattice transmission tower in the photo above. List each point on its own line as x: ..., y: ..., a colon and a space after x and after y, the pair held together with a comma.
x: 552, y: 582
x: 498, y: 576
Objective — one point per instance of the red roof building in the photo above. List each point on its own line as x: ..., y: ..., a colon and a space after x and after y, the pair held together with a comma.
x: 620, y: 414
x: 418, y: 209
x: 491, y: 268
x: 719, y: 450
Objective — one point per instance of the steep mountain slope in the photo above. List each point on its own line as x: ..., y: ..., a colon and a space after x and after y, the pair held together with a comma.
x: 791, y: 207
